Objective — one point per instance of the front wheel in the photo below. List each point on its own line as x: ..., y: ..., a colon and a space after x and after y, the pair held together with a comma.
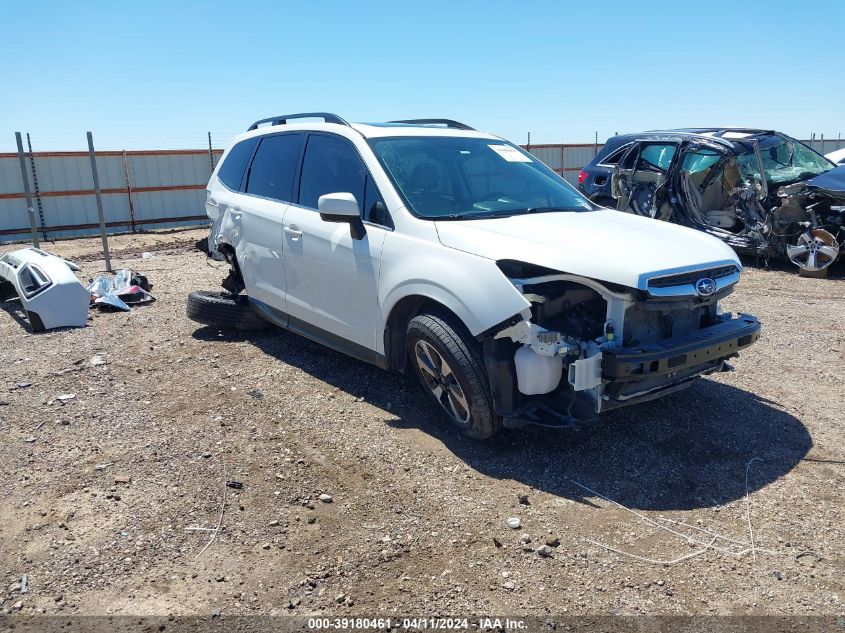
x: 450, y: 368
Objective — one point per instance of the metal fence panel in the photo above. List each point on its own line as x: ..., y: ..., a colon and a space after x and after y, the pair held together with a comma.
x: 167, y: 187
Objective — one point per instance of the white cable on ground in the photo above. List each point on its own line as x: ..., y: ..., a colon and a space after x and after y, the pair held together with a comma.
x: 654, y: 523
x: 222, y: 510
x: 748, y: 507
x: 654, y: 560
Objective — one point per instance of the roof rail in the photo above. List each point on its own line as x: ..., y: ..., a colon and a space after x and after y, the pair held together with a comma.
x: 741, y: 130
x: 447, y: 122
x: 328, y: 117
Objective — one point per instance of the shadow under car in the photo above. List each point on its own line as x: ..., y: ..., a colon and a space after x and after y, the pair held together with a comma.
x: 685, y: 451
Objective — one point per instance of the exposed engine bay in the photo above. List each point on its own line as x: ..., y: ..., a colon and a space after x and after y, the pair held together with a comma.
x: 761, y: 192
x: 590, y: 346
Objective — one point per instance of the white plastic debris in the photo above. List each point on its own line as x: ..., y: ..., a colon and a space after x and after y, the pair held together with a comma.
x: 49, y: 292
x: 514, y: 523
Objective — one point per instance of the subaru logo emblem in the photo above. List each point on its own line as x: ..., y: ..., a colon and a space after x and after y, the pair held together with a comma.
x: 705, y: 287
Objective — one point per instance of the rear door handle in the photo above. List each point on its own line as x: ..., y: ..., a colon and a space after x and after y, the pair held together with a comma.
x: 294, y: 231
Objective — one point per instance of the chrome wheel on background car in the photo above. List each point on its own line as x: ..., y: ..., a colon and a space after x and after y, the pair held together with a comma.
x: 441, y: 381
x: 815, y: 250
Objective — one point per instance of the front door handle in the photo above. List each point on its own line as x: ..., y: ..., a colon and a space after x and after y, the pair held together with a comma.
x: 294, y: 231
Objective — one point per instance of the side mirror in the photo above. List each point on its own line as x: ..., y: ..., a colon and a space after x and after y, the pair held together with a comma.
x: 338, y: 207
x: 342, y: 207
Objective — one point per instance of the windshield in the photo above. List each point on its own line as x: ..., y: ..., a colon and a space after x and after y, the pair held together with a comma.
x: 470, y: 178
x: 785, y: 160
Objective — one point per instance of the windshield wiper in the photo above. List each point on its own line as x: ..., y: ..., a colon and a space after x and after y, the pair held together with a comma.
x: 490, y: 215
x: 553, y: 209
x: 480, y: 215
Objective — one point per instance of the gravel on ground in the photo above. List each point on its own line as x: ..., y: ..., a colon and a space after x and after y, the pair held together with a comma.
x: 199, y: 471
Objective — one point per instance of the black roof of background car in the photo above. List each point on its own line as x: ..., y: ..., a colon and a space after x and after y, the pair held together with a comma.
x: 709, y: 132
x: 715, y: 131
x: 712, y: 133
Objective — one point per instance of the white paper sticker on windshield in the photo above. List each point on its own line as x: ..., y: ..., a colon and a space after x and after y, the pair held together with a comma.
x: 510, y: 154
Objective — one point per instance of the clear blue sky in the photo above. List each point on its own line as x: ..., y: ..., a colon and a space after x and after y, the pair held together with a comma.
x: 156, y: 74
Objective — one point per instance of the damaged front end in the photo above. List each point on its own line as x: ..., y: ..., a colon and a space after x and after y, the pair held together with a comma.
x: 818, y: 206
x: 764, y: 194
x: 590, y: 347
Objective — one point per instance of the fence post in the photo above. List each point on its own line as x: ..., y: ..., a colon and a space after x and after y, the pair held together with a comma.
x: 210, y: 153
x: 35, y: 188
x: 103, y: 234
x: 129, y: 191
x: 26, y: 190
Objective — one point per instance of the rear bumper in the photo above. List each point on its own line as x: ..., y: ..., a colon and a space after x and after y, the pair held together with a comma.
x: 48, y: 290
x: 642, y: 372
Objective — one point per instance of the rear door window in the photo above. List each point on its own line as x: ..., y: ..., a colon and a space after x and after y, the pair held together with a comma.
x: 330, y: 165
x: 615, y: 156
x: 648, y: 156
x: 273, y: 169
x: 231, y: 172
x: 657, y: 156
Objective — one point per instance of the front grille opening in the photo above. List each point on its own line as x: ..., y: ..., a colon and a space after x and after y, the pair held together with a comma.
x: 685, y: 279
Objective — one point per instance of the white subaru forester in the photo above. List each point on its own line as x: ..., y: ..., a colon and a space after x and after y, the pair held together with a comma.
x: 427, y: 246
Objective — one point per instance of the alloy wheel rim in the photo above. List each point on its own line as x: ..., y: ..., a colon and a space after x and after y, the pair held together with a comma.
x: 442, y: 382
x: 814, y: 251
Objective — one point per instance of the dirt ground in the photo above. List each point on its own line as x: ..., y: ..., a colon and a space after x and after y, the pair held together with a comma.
x: 417, y: 522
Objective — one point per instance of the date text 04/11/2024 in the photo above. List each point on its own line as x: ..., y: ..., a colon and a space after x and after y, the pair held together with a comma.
x: 415, y: 624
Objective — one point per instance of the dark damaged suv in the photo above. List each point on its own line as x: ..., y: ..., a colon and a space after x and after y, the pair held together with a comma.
x: 760, y: 191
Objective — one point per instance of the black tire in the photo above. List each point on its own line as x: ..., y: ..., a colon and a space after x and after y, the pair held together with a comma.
x: 223, y: 310
x: 460, y: 352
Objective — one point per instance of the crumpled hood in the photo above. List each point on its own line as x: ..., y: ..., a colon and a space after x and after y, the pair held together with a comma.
x: 605, y: 245
x: 831, y: 182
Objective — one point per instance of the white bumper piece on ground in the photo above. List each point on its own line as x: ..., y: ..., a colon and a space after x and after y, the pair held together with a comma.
x: 49, y: 292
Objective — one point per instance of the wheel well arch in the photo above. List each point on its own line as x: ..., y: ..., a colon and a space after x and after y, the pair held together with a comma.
x: 396, y: 326
x: 234, y: 282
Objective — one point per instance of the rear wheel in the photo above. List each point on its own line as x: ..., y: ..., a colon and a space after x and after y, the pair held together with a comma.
x: 449, y: 366
x: 223, y: 310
